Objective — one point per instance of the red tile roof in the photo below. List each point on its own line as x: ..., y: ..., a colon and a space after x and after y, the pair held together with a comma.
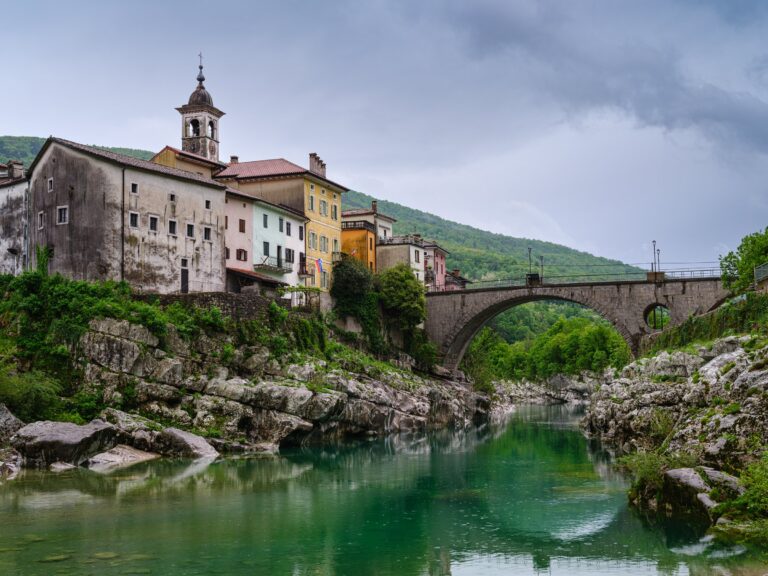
x: 261, y: 168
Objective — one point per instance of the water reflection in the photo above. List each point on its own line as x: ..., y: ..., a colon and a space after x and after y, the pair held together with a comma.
x: 528, y: 496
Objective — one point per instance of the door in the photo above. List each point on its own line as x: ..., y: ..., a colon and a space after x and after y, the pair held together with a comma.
x: 279, y: 256
x: 184, y: 280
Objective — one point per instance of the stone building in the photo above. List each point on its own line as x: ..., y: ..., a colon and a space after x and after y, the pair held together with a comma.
x: 107, y: 216
x: 14, y: 218
x: 410, y: 250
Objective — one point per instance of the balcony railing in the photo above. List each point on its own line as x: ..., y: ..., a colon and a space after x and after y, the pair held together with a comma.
x: 761, y: 272
x: 272, y: 264
x: 358, y: 225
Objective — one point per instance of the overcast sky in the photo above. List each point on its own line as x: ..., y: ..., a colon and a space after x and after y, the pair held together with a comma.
x: 601, y: 125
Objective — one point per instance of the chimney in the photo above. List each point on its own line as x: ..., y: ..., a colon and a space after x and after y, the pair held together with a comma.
x: 316, y: 165
x: 15, y: 169
x: 374, y: 206
x: 234, y: 159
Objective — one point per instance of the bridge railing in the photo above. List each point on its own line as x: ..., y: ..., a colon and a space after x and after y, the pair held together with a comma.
x: 642, y: 275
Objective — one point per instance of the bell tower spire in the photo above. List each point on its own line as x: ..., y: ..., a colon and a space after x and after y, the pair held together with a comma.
x: 200, y: 121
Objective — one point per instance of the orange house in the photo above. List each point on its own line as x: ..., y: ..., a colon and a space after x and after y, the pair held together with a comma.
x: 358, y: 239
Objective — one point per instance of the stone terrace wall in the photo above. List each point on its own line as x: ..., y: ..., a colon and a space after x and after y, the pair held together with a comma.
x: 243, y: 306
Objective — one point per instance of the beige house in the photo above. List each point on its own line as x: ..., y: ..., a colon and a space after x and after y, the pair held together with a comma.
x: 107, y: 216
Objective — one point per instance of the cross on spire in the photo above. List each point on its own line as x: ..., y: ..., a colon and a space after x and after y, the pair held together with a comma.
x: 200, y: 77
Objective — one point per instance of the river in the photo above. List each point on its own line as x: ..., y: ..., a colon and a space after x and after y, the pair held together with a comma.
x: 529, y: 496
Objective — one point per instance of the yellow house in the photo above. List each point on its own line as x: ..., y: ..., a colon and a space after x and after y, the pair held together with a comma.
x: 181, y: 160
x: 306, y: 190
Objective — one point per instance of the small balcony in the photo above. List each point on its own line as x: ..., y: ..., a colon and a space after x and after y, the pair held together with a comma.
x: 336, y: 257
x: 358, y: 225
x: 272, y: 264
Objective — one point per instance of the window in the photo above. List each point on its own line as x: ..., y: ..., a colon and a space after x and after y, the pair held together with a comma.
x: 241, y: 225
x: 323, y: 244
x: 226, y: 222
x: 242, y: 255
x: 335, y: 244
x: 313, y: 240
x: 312, y: 187
x: 207, y: 204
x: 323, y: 208
x: 40, y: 220
x: 184, y: 263
x: 226, y: 253
x: 416, y: 255
x: 312, y: 202
x: 335, y: 212
x: 322, y: 191
x: 266, y: 248
x: 324, y: 279
x: 50, y: 184
x: 265, y: 219
x: 301, y: 232
x: 290, y: 256
x: 370, y: 243
x: 171, y: 197
x: 287, y: 228
x: 153, y: 223
x: 190, y: 230
x: 280, y: 225
x: 133, y: 219
x: 207, y: 233
x: 62, y: 215
x: 172, y: 227
x: 134, y: 188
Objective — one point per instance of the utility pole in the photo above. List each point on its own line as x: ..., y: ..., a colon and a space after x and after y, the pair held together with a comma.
x: 530, y: 262
x: 653, y: 265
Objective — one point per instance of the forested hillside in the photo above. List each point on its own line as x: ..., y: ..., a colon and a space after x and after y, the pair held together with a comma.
x: 482, y: 255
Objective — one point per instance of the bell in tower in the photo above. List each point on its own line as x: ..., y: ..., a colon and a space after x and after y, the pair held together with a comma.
x: 200, y: 122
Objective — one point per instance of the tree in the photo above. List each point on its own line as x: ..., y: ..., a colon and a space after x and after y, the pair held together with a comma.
x: 402, y: 296
x: 738, y: 267
x: 352, y: 283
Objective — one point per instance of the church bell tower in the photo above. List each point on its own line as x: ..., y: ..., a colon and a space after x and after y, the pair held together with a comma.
x: 200, y: 122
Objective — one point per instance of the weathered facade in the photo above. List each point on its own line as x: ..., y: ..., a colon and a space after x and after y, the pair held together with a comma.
x: 361, y: 230
x: 383, y: 224
x: 434, y: 267
x: 106, y: 216
x: 409, y: 250
x: 13, y: 218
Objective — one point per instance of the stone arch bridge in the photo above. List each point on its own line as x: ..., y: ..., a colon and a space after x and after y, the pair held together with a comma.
x: 453, y: 318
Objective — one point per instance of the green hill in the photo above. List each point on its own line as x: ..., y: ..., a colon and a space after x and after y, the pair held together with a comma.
x: 482, y: 255
x: 25, y: 148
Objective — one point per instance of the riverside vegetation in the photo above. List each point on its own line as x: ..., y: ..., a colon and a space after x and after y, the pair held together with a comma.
x: 73, y: 351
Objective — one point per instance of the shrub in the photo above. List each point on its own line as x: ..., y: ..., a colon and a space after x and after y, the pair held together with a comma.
x: 29, y: 395
x: 403, y: 297
x: 755, y: 479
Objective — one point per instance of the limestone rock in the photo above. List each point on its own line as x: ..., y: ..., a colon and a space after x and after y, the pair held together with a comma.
x: 112, y: 353
x: 10, y: 464
x: 121, y: 456
x: 9, y: 424
x: 688, y: 479
x: 175, y: 442
x: 42, y: 443
x: 59, y: 467
x: 125, y: 330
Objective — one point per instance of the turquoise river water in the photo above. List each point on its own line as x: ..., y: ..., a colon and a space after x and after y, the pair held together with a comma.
x: 529, y: 496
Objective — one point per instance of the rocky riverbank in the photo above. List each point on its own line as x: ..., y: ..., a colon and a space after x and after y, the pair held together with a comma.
x: 697, y: 418
x: 161, y: 397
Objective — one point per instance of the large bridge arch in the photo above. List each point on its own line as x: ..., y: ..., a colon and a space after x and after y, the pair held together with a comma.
x: 454, y: 318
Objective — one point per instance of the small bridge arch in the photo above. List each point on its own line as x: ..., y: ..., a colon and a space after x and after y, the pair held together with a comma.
x: 454, y: 318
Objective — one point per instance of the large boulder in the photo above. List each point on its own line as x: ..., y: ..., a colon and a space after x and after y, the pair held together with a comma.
x: 9, y: 424
x: 175, y: 442
x: 42, y: 443
x: 121, y: 456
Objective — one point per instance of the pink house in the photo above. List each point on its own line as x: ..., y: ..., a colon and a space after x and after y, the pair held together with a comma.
x: 434, y: 267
